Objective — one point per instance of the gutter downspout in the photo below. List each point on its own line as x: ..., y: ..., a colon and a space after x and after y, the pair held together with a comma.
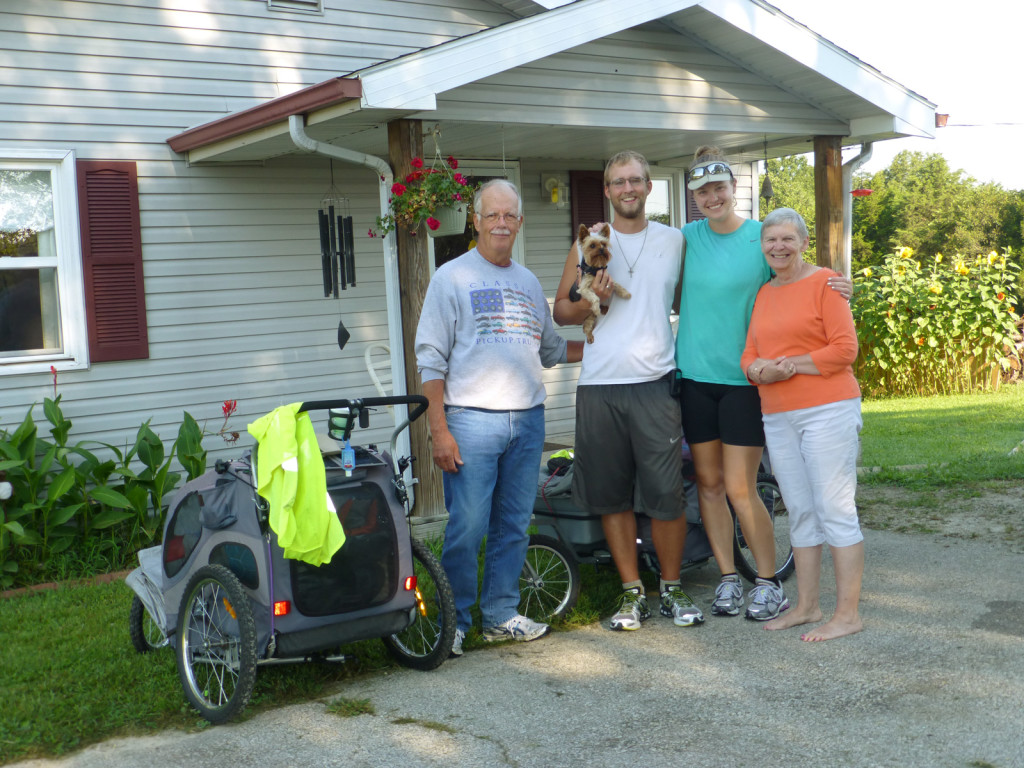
x: 302, y: 140
x: 848, y: 169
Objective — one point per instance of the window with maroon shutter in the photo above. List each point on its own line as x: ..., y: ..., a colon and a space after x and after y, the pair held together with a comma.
x: 108, y: 199
x: 692, y: 211
x: 588, y: 200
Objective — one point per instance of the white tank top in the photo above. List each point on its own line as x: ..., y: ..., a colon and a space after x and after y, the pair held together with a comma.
x: 633, y: 342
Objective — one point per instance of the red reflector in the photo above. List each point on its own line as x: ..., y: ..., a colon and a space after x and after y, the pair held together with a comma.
x: 410, y: 583
x: 282, y: 608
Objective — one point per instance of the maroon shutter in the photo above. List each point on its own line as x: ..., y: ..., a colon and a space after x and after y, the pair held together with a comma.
x: 692, y: 211
x: 588, y: 200
x: 108, y: 201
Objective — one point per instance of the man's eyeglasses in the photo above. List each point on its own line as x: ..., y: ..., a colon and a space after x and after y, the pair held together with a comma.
x: 633, y: 181
x: 710, y: 170
x: 494, y: 218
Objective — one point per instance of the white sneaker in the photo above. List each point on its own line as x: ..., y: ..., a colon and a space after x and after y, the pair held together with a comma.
x: 517, y: 628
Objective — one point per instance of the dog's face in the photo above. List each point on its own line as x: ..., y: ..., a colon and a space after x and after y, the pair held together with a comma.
x: 595, y: 246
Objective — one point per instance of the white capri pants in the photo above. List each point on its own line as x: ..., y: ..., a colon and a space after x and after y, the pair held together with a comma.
x: 814, y: 458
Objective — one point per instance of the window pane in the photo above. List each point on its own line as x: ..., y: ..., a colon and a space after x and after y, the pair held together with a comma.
x: 659, y: 202
x: 26, y: 213
x: 29, y: 312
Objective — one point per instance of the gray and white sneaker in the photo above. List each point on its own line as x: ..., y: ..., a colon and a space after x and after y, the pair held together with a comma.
x: 766, y: 601
x: 678, y: 605
x: 460, y: 635
x: 632, y: 610
x: 728, y: 597
x: 517, y: 628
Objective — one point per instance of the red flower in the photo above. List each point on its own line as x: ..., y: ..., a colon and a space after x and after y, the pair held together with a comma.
x: 461, y: 179
x: 416, y: 163
x: 370, y: 233
x: 229, y: 407
x: 414, y: 176
x: 53, y: 370
x: 433, y: 223
x: 999, y: 296
x: 453, y: 162
x: 398, y: 189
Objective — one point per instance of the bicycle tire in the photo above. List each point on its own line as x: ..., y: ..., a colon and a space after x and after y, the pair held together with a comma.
x: 427, y: 641
x: 549, y: 584
x: 146, y: 635
x: 216, y: 650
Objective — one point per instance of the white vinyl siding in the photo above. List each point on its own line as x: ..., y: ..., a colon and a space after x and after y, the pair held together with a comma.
x: 231, y: 255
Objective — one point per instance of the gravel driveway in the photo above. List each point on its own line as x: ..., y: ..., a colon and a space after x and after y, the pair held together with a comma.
x: 935, y: 680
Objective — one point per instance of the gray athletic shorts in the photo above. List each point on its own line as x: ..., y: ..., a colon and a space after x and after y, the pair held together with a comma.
x: 628, y: 433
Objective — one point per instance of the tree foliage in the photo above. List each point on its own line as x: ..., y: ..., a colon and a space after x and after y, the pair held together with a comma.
x: 918, y: 202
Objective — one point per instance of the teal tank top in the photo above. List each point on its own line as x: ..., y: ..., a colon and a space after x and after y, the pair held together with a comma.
x: 721, y: 277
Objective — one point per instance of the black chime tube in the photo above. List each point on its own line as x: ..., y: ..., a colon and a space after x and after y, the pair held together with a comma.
x: 340, y: 262
x: 350, y: 251
x: 325, y: 250
x: 335, y: 234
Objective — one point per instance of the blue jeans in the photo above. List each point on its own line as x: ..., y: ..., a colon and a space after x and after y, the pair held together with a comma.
x: 492, y: 494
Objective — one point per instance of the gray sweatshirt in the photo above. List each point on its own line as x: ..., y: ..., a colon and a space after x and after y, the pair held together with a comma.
x: 487, y: 331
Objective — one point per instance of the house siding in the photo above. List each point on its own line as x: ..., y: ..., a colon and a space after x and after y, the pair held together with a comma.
x: 231, y: 255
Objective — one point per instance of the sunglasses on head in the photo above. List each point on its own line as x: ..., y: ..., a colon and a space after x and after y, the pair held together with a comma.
x: 710, y: 170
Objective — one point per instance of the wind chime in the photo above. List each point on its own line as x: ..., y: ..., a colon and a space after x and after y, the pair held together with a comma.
x: 337, y: 244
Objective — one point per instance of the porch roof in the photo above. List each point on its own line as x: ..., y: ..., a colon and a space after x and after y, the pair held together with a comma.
x: 584, y: 80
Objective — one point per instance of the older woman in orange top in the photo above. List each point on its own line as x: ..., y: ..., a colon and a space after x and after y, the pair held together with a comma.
x: 800, y: 349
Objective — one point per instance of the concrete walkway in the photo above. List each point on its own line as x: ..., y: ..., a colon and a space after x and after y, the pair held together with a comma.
x: 936, y: 680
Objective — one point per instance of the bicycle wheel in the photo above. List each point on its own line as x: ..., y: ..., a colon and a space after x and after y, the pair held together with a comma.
x: 146, y: 635
x: 216, y: 644
x: 426, y: 643
x: 549, y: 584
x: 770, y: 494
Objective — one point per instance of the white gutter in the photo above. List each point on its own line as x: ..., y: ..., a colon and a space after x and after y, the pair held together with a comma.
x: 848, y: 169
x: 297, y: 129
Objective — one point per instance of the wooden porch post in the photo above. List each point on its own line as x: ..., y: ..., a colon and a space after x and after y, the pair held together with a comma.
x: 405, y: 141
x: 828, y: 201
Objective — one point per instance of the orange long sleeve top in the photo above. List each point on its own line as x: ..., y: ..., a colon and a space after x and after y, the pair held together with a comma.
x: 805, y: 317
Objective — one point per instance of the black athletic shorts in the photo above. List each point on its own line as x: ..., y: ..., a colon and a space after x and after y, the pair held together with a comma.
x: 727, y: 412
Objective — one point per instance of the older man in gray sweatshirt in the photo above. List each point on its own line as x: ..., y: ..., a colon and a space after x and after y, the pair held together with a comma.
x: 484, y: 335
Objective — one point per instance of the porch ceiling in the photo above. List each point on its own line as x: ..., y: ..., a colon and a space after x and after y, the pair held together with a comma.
x: 735, y: 73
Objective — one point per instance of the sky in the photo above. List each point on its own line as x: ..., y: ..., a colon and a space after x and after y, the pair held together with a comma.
x: 966, y: 58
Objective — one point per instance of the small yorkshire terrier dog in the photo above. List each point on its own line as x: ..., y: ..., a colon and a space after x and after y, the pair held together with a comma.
x: 595, y: 253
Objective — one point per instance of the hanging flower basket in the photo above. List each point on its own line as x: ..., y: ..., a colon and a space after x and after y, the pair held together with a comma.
x: 451, y: 220
x: 417, y: 200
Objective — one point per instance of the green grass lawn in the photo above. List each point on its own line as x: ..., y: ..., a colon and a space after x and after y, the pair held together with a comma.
x: 70, y: 677
x: 971, y: 435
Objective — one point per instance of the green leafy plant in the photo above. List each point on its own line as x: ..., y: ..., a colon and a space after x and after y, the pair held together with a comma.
x: 414, y: 201
x: 89, y: 501
x: 946, y: 327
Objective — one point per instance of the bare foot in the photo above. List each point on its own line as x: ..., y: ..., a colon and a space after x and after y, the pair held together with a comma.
x: 832, y: 629
x: 794, y: 618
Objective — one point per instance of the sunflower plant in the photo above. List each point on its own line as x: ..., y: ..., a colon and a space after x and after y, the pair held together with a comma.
x: 414, y: 201
x: 943, y: 327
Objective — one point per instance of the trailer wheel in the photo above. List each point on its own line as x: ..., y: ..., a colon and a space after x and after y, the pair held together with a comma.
x: 216, y: 644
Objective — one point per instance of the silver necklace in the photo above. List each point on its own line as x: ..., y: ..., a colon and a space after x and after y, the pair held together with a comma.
x: 639, y: 253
